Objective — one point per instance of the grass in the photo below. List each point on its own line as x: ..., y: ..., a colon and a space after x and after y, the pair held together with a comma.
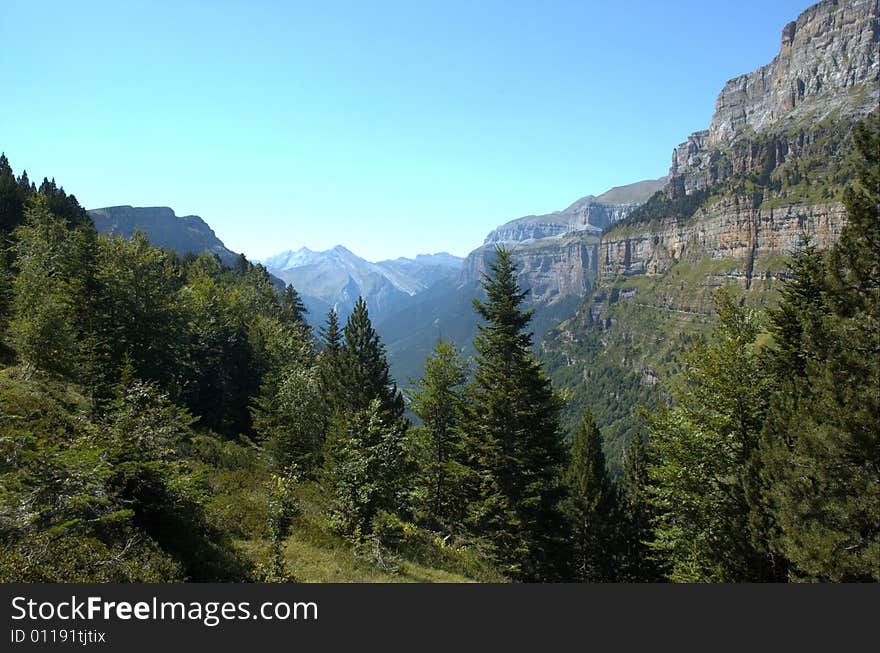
x: 314, y: 554
x: 337, y: 562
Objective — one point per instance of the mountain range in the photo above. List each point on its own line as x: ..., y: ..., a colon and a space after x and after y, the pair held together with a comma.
x: 335, y: 278
x: 622, y: 281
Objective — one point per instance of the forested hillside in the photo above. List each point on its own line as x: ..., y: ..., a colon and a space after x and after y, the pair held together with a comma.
x: 768, y: 174
x: 166, y: 418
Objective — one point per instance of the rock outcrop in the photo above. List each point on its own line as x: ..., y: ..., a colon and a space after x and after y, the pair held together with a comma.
x: 801, y: 105
x: 827, y: 64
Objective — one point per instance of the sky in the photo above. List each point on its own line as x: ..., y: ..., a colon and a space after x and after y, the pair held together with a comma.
x: 393, y: 128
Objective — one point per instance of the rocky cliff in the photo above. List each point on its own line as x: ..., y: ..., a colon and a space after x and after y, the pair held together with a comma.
x: 770, y: 168
x: 773, y: 161
x: 827, y: 65
x: 557, y: 252
x: 731, y: 230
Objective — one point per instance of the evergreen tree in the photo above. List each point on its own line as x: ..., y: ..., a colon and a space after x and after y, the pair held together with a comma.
x: 241, y: 265
x: 221, y: 373
x: 288, y: 412
x: 441, y: 475
x: 364, y: 374
x: 819, y: 471
x: 364, y: 458
x: 365, y: 468
x: 50, y: 298
x: 135, y: 315
x: 330, y: 366
x: 588, y: 506
x: 293, y: 311
x: 700, y: 450
x: 11, y: 200
x: 513, y: 432
x: 634, y: 515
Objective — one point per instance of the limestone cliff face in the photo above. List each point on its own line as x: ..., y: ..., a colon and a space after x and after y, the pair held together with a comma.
x: 731, y: 230
x: 557, y: 252
x: 585, y: 215
x: 826, y: 72
x: 164, y: 229
x: 827, y: 64
x: 552, y: 268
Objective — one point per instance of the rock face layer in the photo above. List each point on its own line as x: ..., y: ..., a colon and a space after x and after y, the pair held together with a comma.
x: 826, y: 72
x: 827, y: 63
x: 557, y: 253
x: 769, y: 169
x: 729, y: 230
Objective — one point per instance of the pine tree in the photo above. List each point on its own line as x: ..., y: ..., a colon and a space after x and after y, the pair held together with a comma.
x: 588, y: 506
x: 441, y: 475
x: 513, y: 433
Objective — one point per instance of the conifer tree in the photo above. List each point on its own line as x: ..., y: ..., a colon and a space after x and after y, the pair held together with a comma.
x: 11, y: 200
x: 241, y: 265
x: 513, y: 431
x: 365, y: 456
x: 588, y: 506
x: 364, y: 371
x: 634, y: 515
x: 441, y: 474
x: 365, y: 468
x: 700, y: 450
x: 293, y: 311
x: 330, y: 365
x: 821, y: 444
x: 50, y: 298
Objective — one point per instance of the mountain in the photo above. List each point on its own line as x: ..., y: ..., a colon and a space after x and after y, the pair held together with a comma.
x: 588, y: 214
x: 771, y: 166
x: 163, y: 228
x: 337, y: 277
x: 186, y: 234
x: 557, y: 255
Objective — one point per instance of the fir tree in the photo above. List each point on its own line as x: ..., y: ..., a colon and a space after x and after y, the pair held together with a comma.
x: 441, y: 475
x: 513, y: 431
x: 588, y: 506
x: 634, y: 515
x: 293, y: 311
x: 364, y: 374
x: 365, y: 468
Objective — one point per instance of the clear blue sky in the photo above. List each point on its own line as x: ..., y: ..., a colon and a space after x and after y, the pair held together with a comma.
x: 393, y: 128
